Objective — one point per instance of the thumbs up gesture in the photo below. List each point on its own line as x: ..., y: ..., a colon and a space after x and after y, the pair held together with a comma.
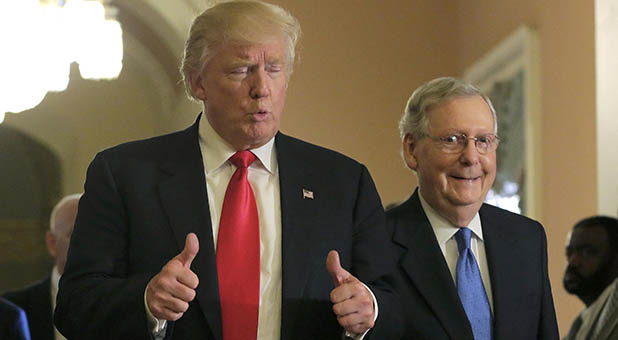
x: 352, y: 300
x: 168, y: 293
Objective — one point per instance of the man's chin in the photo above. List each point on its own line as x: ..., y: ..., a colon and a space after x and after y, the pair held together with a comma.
x: 464, y: 201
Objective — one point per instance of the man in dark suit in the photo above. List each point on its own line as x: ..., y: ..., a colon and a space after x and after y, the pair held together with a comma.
x: 39, y: 299
x: 468, y: 270
x: 13, y: 322
x: 150, y: 252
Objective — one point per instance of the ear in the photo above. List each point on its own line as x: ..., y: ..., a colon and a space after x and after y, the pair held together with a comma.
x: 408, y: 146
x: 50, y: 241
x: 197, y: 86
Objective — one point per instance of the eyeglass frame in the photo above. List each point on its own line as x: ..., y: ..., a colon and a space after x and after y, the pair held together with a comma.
x: 462, y: 142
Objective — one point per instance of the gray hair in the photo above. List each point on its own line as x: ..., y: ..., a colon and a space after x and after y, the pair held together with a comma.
x: 415, y: 119
x: 60, y: 205
x: 237, y: 21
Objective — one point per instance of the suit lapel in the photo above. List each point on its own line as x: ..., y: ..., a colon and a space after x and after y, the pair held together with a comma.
x: 426, y: 267
x: 298, y: 228
x: 184, y: 199
x: 501, y: 251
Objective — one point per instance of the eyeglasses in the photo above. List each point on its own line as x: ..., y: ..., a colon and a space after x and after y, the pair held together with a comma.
x: 456, y: 143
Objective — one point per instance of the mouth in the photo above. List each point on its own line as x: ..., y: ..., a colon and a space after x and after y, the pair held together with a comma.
x: 259, y: 114
x: 466, y: 178
x: 572, y: 275
x: 571, y: 283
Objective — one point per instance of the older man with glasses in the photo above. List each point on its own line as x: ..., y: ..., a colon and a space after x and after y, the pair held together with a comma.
x: 467, y: 270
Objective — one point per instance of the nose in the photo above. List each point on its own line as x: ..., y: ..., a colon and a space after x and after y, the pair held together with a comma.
x: 469, y: 155
x: 259, y: 85
x: 573, y: 259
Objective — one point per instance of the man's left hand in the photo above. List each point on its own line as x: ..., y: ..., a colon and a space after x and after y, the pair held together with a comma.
x: 352, y: 301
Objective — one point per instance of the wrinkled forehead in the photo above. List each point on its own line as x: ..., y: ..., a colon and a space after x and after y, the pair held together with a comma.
x: 461, y: 112
x: 243, y: 47
x: 236, y: 54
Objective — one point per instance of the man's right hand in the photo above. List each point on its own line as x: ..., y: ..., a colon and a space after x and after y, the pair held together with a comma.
x: 169, y: 292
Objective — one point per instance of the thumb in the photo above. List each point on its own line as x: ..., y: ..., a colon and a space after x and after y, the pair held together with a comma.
x: 333, y: 265
x: 192, y: 246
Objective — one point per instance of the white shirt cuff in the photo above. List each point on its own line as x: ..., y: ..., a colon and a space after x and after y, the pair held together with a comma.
x: 157, y: 327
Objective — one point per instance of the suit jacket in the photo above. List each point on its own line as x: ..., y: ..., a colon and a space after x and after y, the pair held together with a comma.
x: 13, y: 322
x: 141, y: 200
x: 517, y: 259
x: 35, y: 300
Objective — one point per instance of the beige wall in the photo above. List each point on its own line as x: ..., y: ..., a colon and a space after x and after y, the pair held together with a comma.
x: 360, y: 61
x: 566, y: 32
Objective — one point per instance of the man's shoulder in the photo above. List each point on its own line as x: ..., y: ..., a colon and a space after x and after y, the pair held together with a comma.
x: 33, y: 291
x: 312, y: 153
x: 9, y: 310
x: 410, y: 207
x: 507, y: 218
x: 175, y: 147
x: 166, y: 141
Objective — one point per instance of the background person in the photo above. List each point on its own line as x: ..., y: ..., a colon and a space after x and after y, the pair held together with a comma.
x: 592, y: 275
x: 39, y: 299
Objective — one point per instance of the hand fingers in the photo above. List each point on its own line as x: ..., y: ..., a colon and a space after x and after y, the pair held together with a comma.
x: 333, y: 265
x: 356, y: 303
x: 169, y: 309
x: 353, y: 306
x: 192, y: 246
x: 188, y: 278
x: 168, y: 299
x: 355, y: 324
x: 179, y: 291
x: 169, y: 292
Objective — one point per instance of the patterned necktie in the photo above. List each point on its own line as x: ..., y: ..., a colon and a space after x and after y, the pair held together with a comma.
x: 470, y: 288
x: 238, y: 255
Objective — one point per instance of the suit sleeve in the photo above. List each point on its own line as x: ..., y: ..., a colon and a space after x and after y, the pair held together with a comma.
x: 548, y: 327
x: 374, y: 260
x: 97, y: 297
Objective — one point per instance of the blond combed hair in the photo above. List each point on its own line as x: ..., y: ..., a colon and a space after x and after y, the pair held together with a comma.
x: 237, y: 22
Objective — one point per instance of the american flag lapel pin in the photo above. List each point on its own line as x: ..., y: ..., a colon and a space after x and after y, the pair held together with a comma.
x: 307, y: 194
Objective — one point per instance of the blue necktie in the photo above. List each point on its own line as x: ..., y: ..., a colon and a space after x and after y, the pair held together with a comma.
x: 470, y: 288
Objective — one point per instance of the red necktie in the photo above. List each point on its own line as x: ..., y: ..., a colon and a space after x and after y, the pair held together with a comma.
x: 238, y: 255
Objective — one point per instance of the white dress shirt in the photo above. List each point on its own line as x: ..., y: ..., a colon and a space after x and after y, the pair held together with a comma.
x: 53, y: 287
x: 445, y: 234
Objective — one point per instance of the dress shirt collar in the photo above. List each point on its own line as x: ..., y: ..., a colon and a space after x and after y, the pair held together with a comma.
x: 442, y: 228
x: 55, y: 278
x: 216, y: 151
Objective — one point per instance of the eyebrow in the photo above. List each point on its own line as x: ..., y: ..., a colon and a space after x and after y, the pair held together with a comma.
x: 459, y: 132
x: 244, y: 60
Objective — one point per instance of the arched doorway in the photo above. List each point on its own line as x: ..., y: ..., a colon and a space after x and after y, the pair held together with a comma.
x: 29, y: 185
